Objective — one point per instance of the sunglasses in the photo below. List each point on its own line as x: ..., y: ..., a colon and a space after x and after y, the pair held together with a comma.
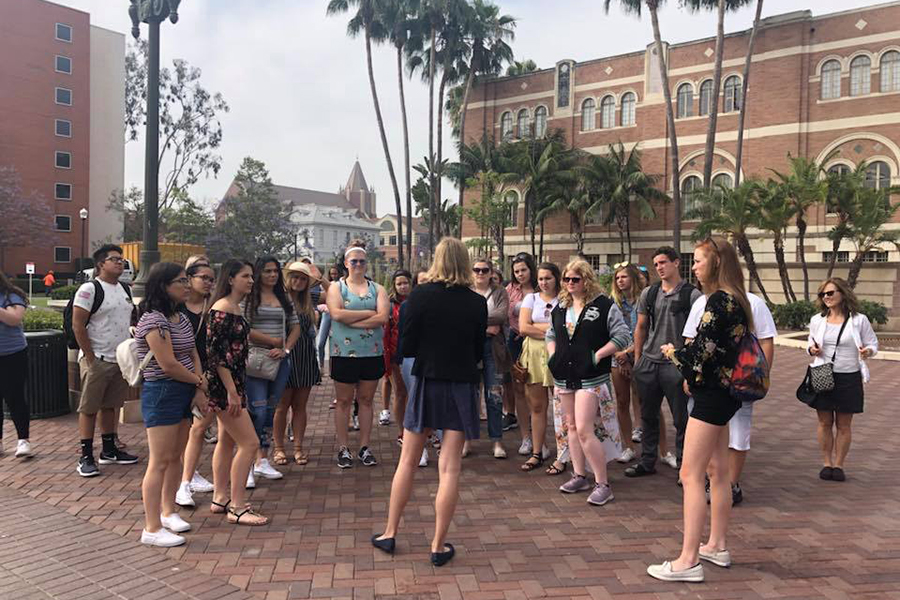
x: 357, y: 262
x: 205, y: 278
x: 827, y: 294
x: 481, y: 270
x: 572, y: 279
x: 621, y: 265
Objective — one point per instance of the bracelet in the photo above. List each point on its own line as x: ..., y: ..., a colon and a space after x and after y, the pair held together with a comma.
x: 199, y: 381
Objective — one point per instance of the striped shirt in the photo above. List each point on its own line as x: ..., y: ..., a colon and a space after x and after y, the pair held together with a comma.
x: 181, y: 334
x: 271, y: 321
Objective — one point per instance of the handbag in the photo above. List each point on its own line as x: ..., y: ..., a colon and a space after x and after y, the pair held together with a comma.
x: 805, y: 393
x: 821, y: 377
x: 519, y: 373
x: 260, y: 364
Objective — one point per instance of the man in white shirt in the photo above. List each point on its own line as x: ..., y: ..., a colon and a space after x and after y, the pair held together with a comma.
x: 741, y: 424
x: 99, y: 329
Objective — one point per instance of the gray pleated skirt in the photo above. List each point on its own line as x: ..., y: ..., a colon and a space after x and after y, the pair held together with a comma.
x: 437, y: 404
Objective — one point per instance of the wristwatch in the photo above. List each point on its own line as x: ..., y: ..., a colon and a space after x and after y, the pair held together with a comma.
x: 287, y: 350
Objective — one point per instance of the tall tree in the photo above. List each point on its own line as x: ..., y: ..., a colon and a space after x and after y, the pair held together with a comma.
x: 575, y: 199
x: 27, y: 216
x: 872, y: 210
x: 130, y: 203
x: 186, y: 221
x: 636, y: 6
x: 843, y: 186
x: 774, y: 215
x: 490, y: 211
x: 744, y: 87
x: 521, y: 67
x: 366, y: 20
x: 189, y: 120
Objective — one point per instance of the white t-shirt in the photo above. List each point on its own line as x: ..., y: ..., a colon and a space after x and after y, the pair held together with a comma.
x: 540, y: 309
x: 109, y: 326
x: 763, y: 323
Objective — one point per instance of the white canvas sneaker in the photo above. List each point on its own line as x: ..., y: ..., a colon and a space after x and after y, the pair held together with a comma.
x: 162, y: 538
x: 265, y: 470
x: 175, y: 523
x: 627, y: 456
x: 251, y: 480
x: 384, y: 418
x: 184, y: 497
x: 526, y: 448
x: 423, y: 462
x: 670, y: 460
x: 23, y: 449
x: 200, y: 484
x: 664, y: 572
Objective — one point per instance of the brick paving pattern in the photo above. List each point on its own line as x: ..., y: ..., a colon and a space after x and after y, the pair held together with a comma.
x: 794, y: 536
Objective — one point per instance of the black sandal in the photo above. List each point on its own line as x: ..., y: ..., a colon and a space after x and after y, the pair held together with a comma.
x: 224, y: 507
x: 554, y: 470
x: 531, y: 466
x: 246, y: 511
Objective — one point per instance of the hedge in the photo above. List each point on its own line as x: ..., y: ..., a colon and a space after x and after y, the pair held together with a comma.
x: 42, y: 319
x: 66, y: 292
x: 796, y: 315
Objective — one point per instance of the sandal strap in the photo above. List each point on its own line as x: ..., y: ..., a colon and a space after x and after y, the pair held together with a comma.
x: 225, y: 506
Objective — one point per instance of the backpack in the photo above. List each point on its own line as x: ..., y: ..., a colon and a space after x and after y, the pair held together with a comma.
x: 681, y: 310
x: 129, y: 365
x: 750, y: 378
x: 99, y: 294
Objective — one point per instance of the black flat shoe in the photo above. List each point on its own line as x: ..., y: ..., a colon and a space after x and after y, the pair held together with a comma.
x: 837, y: 474
x: 385, y: 545
x: 827, y: 473
x: 638, y: 470
x: 439, y: 559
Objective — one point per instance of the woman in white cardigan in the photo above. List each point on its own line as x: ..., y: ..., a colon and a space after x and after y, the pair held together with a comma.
x: 840, y: 334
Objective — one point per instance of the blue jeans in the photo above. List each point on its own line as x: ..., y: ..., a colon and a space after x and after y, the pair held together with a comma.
x: 262, y: 398
x: 493, y: 393
x: 324, y: 330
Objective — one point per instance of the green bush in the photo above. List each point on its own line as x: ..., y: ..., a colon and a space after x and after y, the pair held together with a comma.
x: 37, y: 284
x: 67, y: 292
x: 42, y: 319
x: 794, y: 315
x: 605, y: 280
x: 876, y: 311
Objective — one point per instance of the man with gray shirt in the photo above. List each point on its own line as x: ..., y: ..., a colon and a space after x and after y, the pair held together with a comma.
x: 662, y: 311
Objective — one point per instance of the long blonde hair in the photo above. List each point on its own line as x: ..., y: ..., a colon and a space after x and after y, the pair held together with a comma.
x: 634, y: 292
x: 592, y: 287
x: 451, y: 265
x: 302, y: 300
x: 725, y: 273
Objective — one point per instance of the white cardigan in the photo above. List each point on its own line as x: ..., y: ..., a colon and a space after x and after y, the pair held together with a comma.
x: 860, y: 329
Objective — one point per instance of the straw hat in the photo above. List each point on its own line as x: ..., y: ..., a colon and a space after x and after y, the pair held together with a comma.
x: 301, y: 267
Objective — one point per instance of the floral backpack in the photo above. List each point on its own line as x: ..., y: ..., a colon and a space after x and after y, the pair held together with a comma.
x: 750, y: 377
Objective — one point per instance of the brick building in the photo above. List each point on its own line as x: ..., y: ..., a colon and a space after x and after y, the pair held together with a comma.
x: 818, y: 84
x: 62, y: 105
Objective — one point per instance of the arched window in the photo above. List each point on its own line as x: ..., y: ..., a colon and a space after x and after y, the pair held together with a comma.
x: 890, y: 72
x: 878, y: 175
x: 839, y: 169
x: 706, y: 99
x: 831, y: 80
x: 522, y: 124
x: 512, y: 201
x: 506, y: 126
x: 587, y: 114
x: 690, y: 186
x: 685, y: 101
x: 722, y: 180
x: 540, y: 121
x: 608, y: 112
x: 733, y: 94
x: 860, y: 76
x: 628, y: 109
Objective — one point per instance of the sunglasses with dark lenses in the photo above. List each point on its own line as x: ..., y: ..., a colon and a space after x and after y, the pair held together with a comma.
x: 572, y: 279
x: 827, y: 294
x: 357, y: 262
x: 481, y: 270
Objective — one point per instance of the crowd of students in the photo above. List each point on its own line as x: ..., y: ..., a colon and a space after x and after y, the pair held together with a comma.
x: 242, y: 348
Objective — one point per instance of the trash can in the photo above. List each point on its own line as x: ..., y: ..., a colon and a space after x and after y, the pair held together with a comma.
x: 47, y: 388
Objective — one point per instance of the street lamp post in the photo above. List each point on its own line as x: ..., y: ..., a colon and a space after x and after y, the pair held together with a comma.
x: 152, y: 12
x: 83, y: 213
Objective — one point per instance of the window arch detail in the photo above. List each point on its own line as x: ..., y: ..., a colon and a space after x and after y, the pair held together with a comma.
x: 588, y: 108
x: 860, y: 76
x: 685, y: 100
x: 878, y: 175
x: 629, y: 102
x: 890, y: 72
x: 690, y: 189
x: 831, y: 80
x: 608, y: 112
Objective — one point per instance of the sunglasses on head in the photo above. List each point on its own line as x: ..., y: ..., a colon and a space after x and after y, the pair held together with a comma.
x: 481, y: 270
x: 572, y: 279
x: 357, y: 262
x: 621, y: 265
x: 827, y: 294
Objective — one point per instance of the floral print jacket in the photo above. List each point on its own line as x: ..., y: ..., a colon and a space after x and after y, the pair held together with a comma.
x: 708, y: 361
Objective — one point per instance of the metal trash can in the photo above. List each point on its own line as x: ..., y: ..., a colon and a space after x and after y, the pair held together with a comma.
x: 47, y: 388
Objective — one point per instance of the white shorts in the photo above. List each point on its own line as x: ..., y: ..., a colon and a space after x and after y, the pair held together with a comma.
x: 740, y: 427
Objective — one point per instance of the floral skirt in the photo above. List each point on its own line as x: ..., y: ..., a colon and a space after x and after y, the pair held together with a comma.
x: 606, y: 425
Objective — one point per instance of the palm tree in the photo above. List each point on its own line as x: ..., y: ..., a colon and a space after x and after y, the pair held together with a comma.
x: 635, y: 6
x: 804, y: 187
x: 574, y: 198
x: 521, y: 67
x: 843, y: 186
x: 366, y: 20
x: 775, y: 214
x: 872, y: 210
x: 731, y: 212
x: 744, y: 86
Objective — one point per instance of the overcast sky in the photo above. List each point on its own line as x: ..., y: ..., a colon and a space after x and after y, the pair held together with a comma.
x: 298, y: 88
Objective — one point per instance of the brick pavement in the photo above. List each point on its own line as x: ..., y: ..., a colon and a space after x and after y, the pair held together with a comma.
x: 517, y: 537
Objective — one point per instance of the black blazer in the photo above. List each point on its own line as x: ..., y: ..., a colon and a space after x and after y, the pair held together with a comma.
x: 444, y: 329
x: 573, y: 360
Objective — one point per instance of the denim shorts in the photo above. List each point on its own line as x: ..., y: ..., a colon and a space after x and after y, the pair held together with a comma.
x: 166, y: 402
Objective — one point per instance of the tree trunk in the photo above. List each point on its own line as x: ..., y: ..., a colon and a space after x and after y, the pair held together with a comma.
x: 673, y: 137
x: 431, y: 220
x: 746, y: 251
x: 462, y: 125
x: 540, y: 257
x: 801, y: 250
x: 714, y: 104
x: 387, y: 151
x: 855, y: 268
x: 835, y: 246
x: 744, y: 86
x: 621, y: 239
x: 438, y: 166
x: 409, y: 211
x: 628, y: 234
x: 783, y: 272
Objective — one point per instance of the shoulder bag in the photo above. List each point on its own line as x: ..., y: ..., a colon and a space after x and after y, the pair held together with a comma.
x: 819, y: 378
x: 260, y: 364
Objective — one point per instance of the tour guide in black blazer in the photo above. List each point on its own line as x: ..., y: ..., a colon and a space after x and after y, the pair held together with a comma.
x: 444, y: 328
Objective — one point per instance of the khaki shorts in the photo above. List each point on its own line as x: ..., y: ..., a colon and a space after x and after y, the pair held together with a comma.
x: 102, y: 386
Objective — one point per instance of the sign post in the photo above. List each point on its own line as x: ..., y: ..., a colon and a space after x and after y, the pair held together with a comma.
x: 29, y: 268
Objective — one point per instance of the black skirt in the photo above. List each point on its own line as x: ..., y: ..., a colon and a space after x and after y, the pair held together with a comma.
x: 437, y: 404
x: 846, y: 397
x: 714, y: 406
x: 304, y: 365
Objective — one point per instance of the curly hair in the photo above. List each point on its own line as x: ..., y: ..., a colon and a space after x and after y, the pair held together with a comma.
x: 592, y: 287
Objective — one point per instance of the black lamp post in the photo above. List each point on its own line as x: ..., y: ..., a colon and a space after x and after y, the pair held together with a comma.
x: 83, y: 214
x: 152, y: 12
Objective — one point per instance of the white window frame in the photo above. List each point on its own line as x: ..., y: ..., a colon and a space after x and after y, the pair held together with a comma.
x: 685, y: 193
x: 540, y: 121
x: 62, y: 262
x: 706, y: 108
x: 56, y: 132
x: 860, y: 77
x: 57, y: 154
x: 830, y: 80
x: 890, y: 78
x: 607, y: 112
x: 523, y: 121
x: 63, y: 40
x: 878, y: 166
x: 736, y: 94
x: 506, y: 126
x: 56, y: 92
x: 588, y: 115
x: 685, y: 110
x: 628, y: 110
x: 56, y: 64
x: 56, y: 226
x: 57, y: 196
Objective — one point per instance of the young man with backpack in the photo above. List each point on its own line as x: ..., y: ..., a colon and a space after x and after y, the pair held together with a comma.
x: 101, y: 314
x: 662, y: 312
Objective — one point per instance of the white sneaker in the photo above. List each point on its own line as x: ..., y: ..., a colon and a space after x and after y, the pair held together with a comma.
x: 720, y: 558
x: 627, y: 456
x: 664, y: 572
x: 423, y: 462
x: 670, y: 460
x: 183, y: 496
x: 200, y: 484
x: 526, y: 447
x: 264, y: 469
x: 251, y: 480
x: 162, y: 538
x: 23, y: 449
x: 384, y: 418
x: 175, y: 523
x: 354, y: 423
x: 499, y: 450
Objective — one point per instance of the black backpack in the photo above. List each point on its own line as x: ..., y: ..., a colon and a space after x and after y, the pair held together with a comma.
x: 680, y: 309
x: 99, y: 294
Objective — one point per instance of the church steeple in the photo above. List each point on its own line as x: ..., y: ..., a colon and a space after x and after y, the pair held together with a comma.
x: 358, y: 193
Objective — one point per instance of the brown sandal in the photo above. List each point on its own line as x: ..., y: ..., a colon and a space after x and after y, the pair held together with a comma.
x: 301, y: 457
x: 219, y: 509
x: 234, y: 517
x: 279, y: 457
